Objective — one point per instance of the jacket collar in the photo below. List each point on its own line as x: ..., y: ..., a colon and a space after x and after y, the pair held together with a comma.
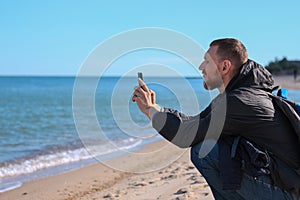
x: 252, y: 75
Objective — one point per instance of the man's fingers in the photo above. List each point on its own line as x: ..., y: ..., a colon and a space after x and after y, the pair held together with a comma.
x: 142, y: 92
x: 143, y: 85
x: 141, y: 82
x: 153, y: 97
x: 138, y: 93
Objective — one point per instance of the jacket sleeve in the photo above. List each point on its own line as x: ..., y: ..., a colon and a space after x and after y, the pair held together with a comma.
x: 186, y: 131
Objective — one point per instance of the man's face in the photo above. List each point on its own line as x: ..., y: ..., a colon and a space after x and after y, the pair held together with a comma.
x: 210, y: 69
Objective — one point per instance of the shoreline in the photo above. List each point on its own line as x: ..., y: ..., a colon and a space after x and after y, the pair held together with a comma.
x: 174, y: 178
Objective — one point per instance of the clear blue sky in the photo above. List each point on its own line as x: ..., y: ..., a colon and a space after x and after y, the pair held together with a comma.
x: 55, y: 37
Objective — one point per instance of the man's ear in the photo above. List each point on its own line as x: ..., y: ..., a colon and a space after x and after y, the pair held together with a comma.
x: 227, y: 65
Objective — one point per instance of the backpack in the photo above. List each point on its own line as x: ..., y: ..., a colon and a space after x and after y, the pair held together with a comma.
x: 289, y: 108
x: 284, y: 175
x: 284, y: 94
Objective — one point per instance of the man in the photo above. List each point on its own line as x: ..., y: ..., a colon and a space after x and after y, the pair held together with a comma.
x: 256, y: 149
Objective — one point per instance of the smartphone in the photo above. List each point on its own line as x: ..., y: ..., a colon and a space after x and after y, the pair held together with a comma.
x: 140, y: 75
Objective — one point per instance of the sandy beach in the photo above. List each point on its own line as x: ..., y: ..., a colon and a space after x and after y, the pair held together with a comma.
x: 178, y: 180
x: 174, y: 180
x: 287, y: 81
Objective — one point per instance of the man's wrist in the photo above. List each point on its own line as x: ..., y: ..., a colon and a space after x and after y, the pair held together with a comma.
x: 153, y: 110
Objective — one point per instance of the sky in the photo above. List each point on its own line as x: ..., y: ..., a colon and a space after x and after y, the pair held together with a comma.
x: 56, y: 37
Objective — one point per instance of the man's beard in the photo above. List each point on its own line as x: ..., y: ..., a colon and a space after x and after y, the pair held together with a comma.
x: 212, y: 85
x: 205, y: 85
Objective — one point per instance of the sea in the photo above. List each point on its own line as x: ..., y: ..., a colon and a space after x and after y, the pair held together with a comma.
x: 49, y: 125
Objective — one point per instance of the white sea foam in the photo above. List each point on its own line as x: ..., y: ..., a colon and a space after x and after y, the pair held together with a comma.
x: 9, y: 186
x: 21, y: 167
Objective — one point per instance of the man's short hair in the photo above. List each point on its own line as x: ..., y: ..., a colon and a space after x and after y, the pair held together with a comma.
x: 231, y: 49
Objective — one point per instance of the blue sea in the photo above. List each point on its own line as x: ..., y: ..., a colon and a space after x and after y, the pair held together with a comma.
x: 45, y: 130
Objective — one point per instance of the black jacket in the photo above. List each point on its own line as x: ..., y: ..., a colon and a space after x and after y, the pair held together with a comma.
x: 245, y: 109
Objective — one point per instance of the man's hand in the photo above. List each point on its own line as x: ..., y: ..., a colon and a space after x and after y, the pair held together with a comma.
x: 145, y: 99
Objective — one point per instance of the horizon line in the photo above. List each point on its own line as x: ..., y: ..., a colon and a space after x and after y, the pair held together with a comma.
x: 90, y: 76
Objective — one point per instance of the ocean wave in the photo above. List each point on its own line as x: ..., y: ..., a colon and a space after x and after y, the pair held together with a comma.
x: 61, y: 157
x: 9, y: 186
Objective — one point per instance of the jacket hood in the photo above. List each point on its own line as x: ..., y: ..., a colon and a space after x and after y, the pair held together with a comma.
x: 252, y: 75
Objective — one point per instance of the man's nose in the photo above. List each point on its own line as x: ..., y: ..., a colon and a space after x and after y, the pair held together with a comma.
x: 201, y: 67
